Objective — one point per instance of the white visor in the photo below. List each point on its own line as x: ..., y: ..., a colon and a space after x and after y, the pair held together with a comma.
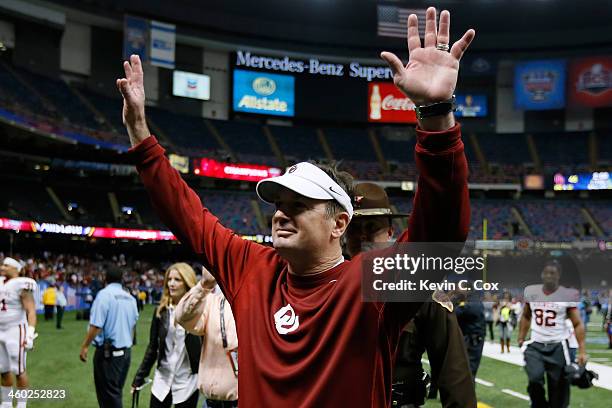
x: 12, y: 262
x: 308, y: 180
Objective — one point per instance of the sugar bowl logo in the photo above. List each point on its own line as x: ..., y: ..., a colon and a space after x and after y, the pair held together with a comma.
x: 264, y: 86
x: 595, y: 80
x: 539, y: 84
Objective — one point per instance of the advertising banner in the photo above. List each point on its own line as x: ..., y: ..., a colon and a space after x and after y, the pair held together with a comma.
x: 312, y: 66
x: 533, y: 182
x: 121, y: 233
x: 163, y: 44
x: 104, y: 232
x: 245, y: 172
x: 15, y: 225
x: 84, y: 230
x: 471, y: 105
x: 590, y: 82
x: 180, y: 163
x: 539, y: 85
x: 601, y: 180
x: 263, y: 93
x: 387, y: 104
x: 135, y: 31
x: 191, y: 85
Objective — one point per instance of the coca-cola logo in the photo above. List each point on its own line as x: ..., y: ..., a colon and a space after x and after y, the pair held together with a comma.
x: 390, y: 102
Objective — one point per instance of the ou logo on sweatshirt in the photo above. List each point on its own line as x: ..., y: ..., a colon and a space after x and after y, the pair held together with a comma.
x: 285, y: 320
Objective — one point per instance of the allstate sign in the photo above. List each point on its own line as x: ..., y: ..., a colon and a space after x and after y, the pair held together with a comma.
x: 258, y: 92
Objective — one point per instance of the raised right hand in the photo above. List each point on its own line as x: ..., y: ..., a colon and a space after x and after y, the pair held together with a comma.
x: 132, y: 90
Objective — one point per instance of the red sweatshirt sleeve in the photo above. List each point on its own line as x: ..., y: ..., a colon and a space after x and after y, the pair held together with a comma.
x: 180, y: 208
x: 441, y: 209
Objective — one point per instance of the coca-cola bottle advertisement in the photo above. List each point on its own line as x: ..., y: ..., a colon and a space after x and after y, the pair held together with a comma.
x: 388, y: 104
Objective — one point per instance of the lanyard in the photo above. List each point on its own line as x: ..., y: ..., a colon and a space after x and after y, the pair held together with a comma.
x: 223, y: 335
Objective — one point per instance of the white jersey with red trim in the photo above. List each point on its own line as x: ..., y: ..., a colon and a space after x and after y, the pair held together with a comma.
x: 12, y: 312
x: 549, y: 312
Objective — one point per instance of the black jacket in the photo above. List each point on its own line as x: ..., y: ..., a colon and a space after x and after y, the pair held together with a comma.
x: 156, y: 350
x: 435, y: 329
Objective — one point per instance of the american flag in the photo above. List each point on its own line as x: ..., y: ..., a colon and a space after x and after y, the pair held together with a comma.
x: 392, y: 21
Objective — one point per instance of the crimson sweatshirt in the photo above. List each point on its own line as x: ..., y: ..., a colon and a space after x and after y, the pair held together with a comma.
x: 309, y: 341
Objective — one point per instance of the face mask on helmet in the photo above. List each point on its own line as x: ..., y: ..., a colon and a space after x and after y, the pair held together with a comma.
x: 579, y: 376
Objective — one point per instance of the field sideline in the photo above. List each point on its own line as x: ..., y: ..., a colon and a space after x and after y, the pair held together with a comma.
x: 55, y: 364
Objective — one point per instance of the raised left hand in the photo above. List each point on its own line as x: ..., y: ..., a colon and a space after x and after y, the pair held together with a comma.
x: 431, y: 74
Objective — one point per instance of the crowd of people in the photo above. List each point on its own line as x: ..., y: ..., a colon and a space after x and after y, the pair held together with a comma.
x: 79, y: 277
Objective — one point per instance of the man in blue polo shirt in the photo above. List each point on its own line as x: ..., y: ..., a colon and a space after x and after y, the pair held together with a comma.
x: 111, y: 328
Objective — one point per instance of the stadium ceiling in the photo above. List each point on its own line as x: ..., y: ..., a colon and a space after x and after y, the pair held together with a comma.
x: 349, y: 26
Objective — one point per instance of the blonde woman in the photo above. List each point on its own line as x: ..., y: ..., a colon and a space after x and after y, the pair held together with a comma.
x: 177, y: 352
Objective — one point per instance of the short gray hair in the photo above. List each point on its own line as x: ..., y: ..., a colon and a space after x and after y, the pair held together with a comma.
x: 344, y: 180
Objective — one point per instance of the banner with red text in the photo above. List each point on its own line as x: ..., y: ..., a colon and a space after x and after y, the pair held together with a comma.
x: 387, y: 104
x: 234, y: 171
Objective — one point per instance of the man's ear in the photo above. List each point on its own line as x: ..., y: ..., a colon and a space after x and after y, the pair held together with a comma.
x: 341, y: 224
x: 390, y: 232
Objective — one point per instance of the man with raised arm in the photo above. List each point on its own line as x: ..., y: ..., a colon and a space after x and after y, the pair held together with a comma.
x: 306, y: 338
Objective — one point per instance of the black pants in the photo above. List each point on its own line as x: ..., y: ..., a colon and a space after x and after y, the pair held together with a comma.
x: 191, y: 402
x: 49, y: 312
x: 474, y: 343
x: 59, y: 317
x: 547, y: 359
x: 109, y: 377
x: 221, y: 404
x: 490, y: 327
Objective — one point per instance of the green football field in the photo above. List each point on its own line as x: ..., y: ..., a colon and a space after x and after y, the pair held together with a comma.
x: 55, y: 364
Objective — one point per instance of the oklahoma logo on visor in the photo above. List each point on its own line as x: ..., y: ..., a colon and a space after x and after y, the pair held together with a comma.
x: 308, y: 180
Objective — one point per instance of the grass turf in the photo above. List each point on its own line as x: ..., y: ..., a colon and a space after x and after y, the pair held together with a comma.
x: 513, y: 377
x: 55, y: 364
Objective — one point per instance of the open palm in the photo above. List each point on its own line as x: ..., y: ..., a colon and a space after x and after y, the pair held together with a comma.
x: 431, y: 74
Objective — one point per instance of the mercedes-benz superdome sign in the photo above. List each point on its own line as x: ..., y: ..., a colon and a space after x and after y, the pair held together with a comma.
x: 312, y: 66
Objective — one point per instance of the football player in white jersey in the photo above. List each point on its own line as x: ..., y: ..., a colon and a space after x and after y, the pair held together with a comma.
x: 547, y: 306
x: 17, y: 325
